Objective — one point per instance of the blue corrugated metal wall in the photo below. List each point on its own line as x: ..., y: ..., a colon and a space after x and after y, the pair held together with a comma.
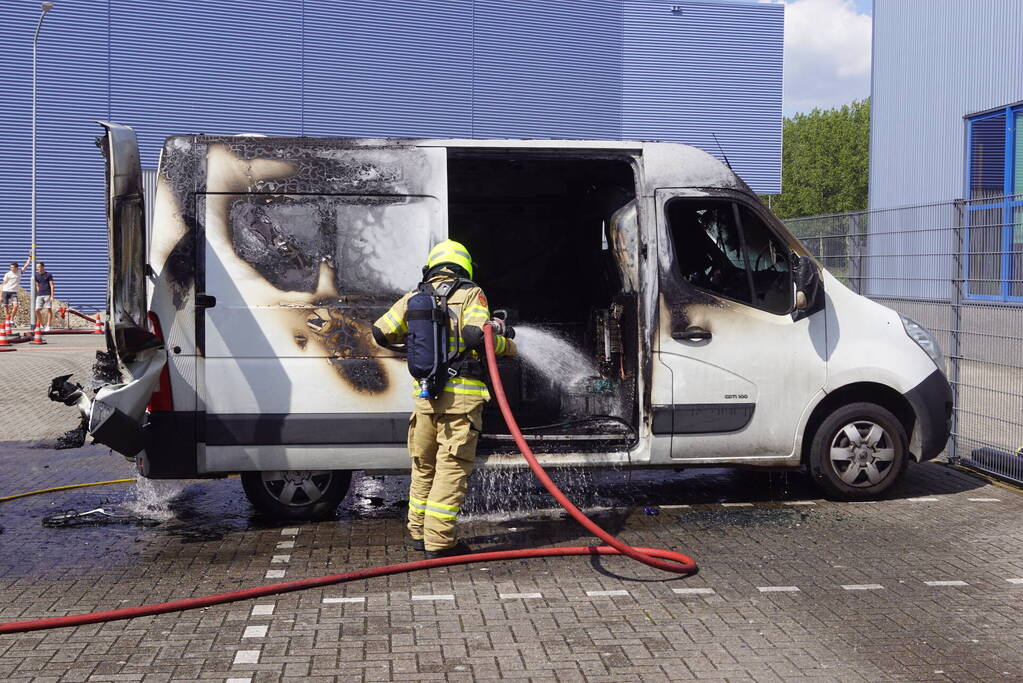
x: 548, y: 69
x: 933, y: 64
x: 72, y: 93
x: 217, y: 70
x: 605, y: 69
x: 378, y: 70
x: 711, y: 68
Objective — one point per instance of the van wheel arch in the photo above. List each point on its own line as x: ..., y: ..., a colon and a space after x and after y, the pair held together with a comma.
x: 861, y: 392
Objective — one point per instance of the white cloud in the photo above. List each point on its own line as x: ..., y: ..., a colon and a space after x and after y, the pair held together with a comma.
x: 827, y: 54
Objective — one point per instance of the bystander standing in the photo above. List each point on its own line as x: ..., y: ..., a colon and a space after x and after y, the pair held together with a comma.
x: 44, y: 295
x: 12, y: 280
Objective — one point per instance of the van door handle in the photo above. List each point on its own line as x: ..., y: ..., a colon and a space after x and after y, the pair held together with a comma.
x: 203, y: 300
x: 691, y: 333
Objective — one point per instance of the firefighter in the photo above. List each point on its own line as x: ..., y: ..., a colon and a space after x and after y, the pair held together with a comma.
x: 443, y: 431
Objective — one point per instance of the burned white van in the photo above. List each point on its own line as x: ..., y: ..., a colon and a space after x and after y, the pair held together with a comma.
x: 242, y: 326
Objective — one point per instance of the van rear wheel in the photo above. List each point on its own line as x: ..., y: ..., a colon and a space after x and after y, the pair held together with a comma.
x: 858, y: 452
x: 296, y: 494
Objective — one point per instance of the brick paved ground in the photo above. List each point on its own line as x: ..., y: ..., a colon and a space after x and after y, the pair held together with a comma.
x: 817, y: 591
x: 25, y: 412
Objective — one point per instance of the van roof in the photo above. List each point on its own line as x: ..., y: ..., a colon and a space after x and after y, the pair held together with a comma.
x: 665, y: 164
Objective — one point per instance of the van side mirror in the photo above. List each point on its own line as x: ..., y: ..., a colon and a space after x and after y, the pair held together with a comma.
x: 807, y: 281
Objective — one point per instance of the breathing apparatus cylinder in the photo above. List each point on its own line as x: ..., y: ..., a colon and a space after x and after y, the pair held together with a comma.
x: 427, y: 341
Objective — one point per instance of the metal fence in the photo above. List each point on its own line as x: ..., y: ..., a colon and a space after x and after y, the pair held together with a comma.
x: 956, y: 268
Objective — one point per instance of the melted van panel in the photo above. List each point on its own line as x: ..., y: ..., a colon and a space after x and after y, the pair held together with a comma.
x: 305, y: 247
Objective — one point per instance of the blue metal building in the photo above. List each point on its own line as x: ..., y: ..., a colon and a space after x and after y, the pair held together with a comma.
x: 680, y: 71
x: 947, y: 125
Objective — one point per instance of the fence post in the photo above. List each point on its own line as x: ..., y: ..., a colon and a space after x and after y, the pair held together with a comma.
x: 855, y: 262
x: 955, y: 352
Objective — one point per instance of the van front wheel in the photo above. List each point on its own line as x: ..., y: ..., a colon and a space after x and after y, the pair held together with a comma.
x: 296, y: 494
x: 858, y: 452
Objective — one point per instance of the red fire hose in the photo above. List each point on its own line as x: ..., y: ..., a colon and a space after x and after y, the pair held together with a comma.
x: 661, y: 559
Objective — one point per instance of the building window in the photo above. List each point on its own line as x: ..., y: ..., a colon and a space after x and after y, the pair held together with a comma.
x: 994, y: 216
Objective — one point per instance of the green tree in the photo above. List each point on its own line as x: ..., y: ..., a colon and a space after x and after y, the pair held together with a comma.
x: 824, y: 161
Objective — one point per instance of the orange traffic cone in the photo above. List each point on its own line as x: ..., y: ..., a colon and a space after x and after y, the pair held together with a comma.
x: 38, y: 338
x: 8, y: 330
x: 99, y: 325
x: 4, y: 344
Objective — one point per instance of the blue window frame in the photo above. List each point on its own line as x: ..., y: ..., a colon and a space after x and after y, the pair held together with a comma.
x: 994, y: 206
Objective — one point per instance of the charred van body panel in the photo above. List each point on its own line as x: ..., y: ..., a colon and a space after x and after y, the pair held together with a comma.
x: 271, y: 257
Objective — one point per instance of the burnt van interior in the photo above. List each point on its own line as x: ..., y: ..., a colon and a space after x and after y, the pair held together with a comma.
x: 540, y: 232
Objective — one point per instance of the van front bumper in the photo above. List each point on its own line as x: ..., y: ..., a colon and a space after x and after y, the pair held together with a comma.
x: 932, y: 403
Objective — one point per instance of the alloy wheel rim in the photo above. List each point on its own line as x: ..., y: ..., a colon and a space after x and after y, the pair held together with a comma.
x: 297, y: 488
x: 862, y: 453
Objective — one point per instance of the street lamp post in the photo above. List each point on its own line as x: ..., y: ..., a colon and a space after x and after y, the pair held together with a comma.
x: 46, y: 7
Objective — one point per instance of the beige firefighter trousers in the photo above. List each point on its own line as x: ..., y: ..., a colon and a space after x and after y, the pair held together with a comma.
x: 443, y: 450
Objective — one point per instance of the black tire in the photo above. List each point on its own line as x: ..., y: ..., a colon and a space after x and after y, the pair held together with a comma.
x: 847, y: 469
x: 297, y: 494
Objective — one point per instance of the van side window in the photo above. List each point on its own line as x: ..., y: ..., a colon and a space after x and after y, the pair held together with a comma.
x: 724, y: 248
x: 708, y: 249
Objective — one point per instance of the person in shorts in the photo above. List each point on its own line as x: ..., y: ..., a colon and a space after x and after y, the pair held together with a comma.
x: 44, y: 295
x: 12, y: 280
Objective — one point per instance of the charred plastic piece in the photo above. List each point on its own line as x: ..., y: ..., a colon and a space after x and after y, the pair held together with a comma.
x: 108, y: 425
x: 69, y: 393
x: 63, y: 391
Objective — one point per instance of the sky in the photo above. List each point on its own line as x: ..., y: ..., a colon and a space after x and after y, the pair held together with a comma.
x: 827, y: 53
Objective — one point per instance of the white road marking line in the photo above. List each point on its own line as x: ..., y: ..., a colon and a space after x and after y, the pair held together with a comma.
x: 863, y: 587
x: 1016, y: 581
x: 333, y: 601
x: 289, y: 532
x: 255, y: 631
x: 693, y: 591
x: 736, y: 505
x: 921, y: 500
x: 778, y: 589
x: 262, y: 610
x: 946, y: 583
x: 280, y: 558
x: 674, y: 507
x: 274, y: 574
x: 800, y: 502
x: 285, y: 545
x: 246, y: 657
x: 433, y: 597
x: 238, y: 680
x: 984, y: 500
x: 600, y: 594
x: 518, y: 596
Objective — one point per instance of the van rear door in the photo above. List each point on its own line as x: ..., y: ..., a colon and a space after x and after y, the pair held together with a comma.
x: 126, y: 235
x: 116, y: 415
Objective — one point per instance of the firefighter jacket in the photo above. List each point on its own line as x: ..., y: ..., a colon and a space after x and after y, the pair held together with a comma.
x: 471, y: 312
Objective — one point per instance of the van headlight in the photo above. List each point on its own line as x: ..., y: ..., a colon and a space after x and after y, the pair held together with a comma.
x: 924, y: 339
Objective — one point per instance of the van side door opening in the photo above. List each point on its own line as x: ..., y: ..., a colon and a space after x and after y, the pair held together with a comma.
x: 541, y: 229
